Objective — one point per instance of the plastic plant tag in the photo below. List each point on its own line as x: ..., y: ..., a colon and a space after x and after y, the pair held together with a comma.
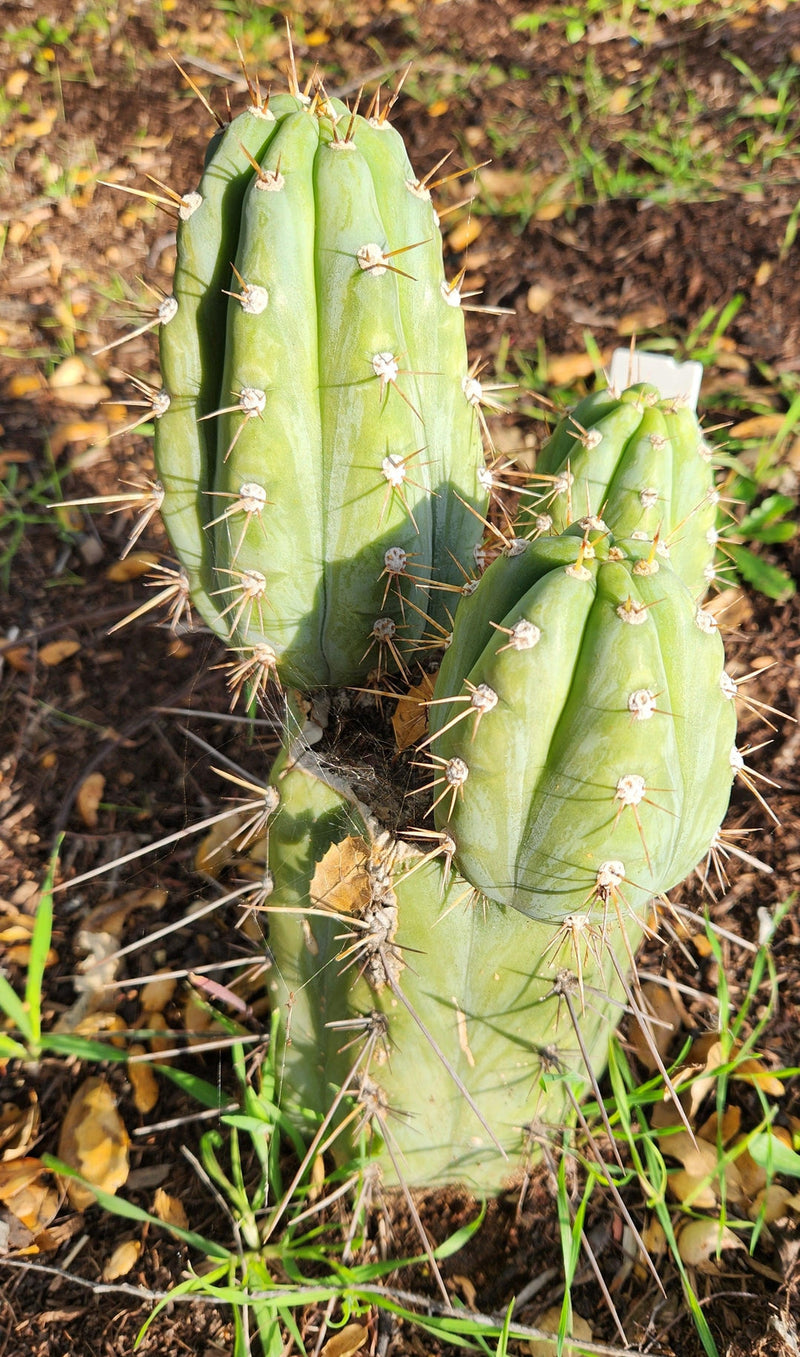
x: 671, y: 378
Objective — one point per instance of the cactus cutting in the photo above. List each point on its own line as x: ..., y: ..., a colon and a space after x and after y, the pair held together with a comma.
x: 453, y: 650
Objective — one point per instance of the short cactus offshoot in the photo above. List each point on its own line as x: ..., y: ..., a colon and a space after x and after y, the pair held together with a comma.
x: 578, y: 767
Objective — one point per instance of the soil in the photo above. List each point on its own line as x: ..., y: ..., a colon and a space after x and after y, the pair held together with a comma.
x: 131, y: 705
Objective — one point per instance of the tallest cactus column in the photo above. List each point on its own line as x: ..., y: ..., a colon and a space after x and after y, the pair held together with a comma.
x: 318, y: 453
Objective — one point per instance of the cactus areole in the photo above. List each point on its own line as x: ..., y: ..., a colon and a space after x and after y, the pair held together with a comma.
x: 317, y: 425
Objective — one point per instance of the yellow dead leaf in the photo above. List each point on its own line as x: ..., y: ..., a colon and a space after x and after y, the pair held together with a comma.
x: 410, y: 719
x: 133, y: 566
x: 713, y: 1130
x: 661, y: 1006
x: 760, y: 426
x: 170, y: 1209
x: 23, y: 384
x: 156, y: 994
x: 165, y: 1040
x: 620, y: 99
x: 124, y: 1257
x: 341, y: 881
x: 70, y: 372
x: 77, y: 431
x: 464, y: 233
x: 143, y: 1081
x: 21, y: 955
x: 27, y: 1189
x: 83, y: 394
x: 549, y: 1322
x: 16, y: 83
x: 733, y: 605
x: 19, y: 659
x: 346, y: 1341
x: 101, y: 1023
x: 19, y: 1126
x: 700, y: 1240
x: 57, y: 651
x: 567, y: 367
x: 438, y: 108
x: 753, y: 1071
x: 539, y: 298
x: 646, y: 318
x: 94, y: 1142
x: 111, y: 915
x: 317, y: 37
x: 775, y: 1202
x: 763, y: 273
x: 220, y: 844
x: 88, y: 798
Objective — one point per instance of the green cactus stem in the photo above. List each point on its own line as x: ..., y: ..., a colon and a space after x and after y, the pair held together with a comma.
x: 642, y: 464
x: 581, y: 735
x: 444, y: 1024
x: 318, y: 452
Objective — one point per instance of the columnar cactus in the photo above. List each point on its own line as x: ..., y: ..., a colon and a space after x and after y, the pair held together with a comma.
x: 580, y: 763
x: 641, y: 463
x: 321, y: 477
x: 586, y: 661
x: 317, y: 447
x: 434, y: 1011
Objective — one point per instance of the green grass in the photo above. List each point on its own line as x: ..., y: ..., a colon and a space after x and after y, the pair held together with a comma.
x: 282, y: 1251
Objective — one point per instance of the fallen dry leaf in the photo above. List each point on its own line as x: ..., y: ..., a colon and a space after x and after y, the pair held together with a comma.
x: 549, y: 1322
x: 341, y: 881
x: 110, y: 916
x: 662, y: 1008
x: 539, y: 298
x: 760, y: 426
x: 69, y: 372
x: 776, y: 1202
x: 88, y: 799
x: 346, y: 1341
x: 143, y: 1081
x: 23, y: 384
x: 564, y: 368
x: 410, y: 719
x: 220, y: 844
x: 136, y: 564
x: 19, y: 1127
x: 646, y: 318
x: 77, y: 431
x: 156, y: 994
x: 57, y: 651
x: 28, y: 1190
x: 464, y: 233
x: 700, y: 1240
x: 94, y: 1142
x: 124, y: 1257
x: 170, y: 1210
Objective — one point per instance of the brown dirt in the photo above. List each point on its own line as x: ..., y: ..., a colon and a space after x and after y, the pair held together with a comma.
x: 97, y: 709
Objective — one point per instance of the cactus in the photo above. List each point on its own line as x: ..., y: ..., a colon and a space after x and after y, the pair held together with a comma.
x: 643, y: 465
x: 581, y: 751
x: 447, y: 1023
x: 315, y: 439
x: 318, y: 447
x: 600, y: 679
